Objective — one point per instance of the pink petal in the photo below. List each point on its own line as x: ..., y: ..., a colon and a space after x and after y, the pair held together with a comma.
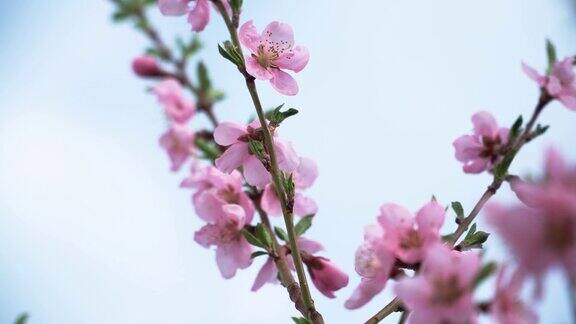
x: 288, y: 160
x: 233, y: 157
x: 367, y: 289
x: 533, y: 74
x: 266, y: 274
x: 284, y: 83
x: 235, y: 214
x: 173, y: 7
x: 207, y: 235
x: 248, y: 206
x: 430, y: 217
x: 227, y: 133
x: 255, y: 172
x: 295, y: 59
x: 278, y: 36
x: 249, y: 36
x: 208, y: 206
x: 231, y: 257
x: 256, y: 70
x: 304, y: 206
x: 199, y: 16
x: 476, y: 166
x: 467, y: 147
x: 569, y: 101
x: 485, y: 124
x: 269, y: 201
x: 306, y: 173
x: 309, y: 246
x: 555, y: 165
x: 394, y: 217
x: 554, y: 86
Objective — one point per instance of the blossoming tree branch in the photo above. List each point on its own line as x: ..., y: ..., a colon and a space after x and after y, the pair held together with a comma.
x: 244, y: 175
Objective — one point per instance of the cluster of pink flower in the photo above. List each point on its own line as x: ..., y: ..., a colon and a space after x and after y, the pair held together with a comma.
x: 435, y: 277
x: 227, y: 192
x: 541, y: 233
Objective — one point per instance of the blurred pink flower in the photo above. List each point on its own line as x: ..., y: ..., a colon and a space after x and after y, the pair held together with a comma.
x: 326, y: 276
x: 408, y: 237
x: 481, y: 150
x: 198, y: 16
x: 507, y: 307
x: 170, y: 94
x: 304, y: 177
x: 541, y: 236
x: 560, y: 83
x: 215, y: 189
x: 374, y: 263
x: 232, y: 250
x: 238, y: 153
x: 178, y: 142
x: 272, y: 52
x: 146, y: 66
x: 441, y: 291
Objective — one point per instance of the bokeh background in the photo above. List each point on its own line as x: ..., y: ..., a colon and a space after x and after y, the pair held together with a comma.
x: 93, y: 227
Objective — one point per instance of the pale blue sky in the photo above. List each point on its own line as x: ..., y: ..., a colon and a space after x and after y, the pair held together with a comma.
x: 93, y: 227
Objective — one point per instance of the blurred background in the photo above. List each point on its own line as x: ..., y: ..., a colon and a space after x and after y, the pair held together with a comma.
x: 93, y: 226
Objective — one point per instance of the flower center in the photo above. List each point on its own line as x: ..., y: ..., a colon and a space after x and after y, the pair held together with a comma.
x: 266, y: 57
x: 446, y: 291
x: 411, y: 240
x: 229, y: 232
x: 229, y: 195
x: 491, y: 147
x: 560, y: 233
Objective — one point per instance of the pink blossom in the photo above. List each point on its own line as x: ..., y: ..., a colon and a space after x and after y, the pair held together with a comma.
x: 198, y: 16
x: 441, y: 292
x: 542, y: 236
x: 304, y: 177
x: 507, y: 307
x: 481, y: 150
x: 232, y: 249
x: 170, y: 94
x: 238, y: 153
x: 560, y: 83
x: 274, y: 51
x: 178, y: 142
x: 215, y: 189
x: 407, y: 236
x: 146, y: 66
x: 374, y: 263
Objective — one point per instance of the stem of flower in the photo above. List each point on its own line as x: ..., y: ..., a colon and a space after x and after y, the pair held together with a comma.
x: 311, y: 313
x: 526, y: 135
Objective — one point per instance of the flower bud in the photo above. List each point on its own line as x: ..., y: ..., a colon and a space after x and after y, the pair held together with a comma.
x: 146, y: 66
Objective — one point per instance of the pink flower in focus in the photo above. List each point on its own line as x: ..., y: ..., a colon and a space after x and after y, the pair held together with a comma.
x: 232, y: 249
x: 170, y: 94
x: 238, y: 153
x: 215, y: 189
x: 559, y: 84
x: 198, y: 16
x: 272, y: 52
x: 407, y: 236
x: 507, y: 307
x: 146, y: 66
x: 542, y: 237
x: 441, y: 292
x: 481, y: 150
x: 304, y: 177
x: 178, y: 142
x: 374, y: 263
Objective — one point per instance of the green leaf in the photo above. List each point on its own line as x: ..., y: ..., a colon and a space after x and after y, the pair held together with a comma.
x: 301, y: 320
x: 216, y: 95
x: 281, y: 233
x: 189, y: 49
x: 236, y: 5
x: 229, y: 52
x: 257, y: 254
x: 303, y: 225
x: 484, y: 273
x: 458, y: 209
x: 253, y: 239
x: 515, y: 129
x: 22, y: 319
x: 257, y: 148
x: 202, y: 75
x: 471, y: 231
x: 474, y: 239
x: 276, y: 116
x: 551, y: 54
x: 262, y: 234
x: 210, y: 151
x: 227, y: 55
x: 540, y: 130
x: 501, y: 169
